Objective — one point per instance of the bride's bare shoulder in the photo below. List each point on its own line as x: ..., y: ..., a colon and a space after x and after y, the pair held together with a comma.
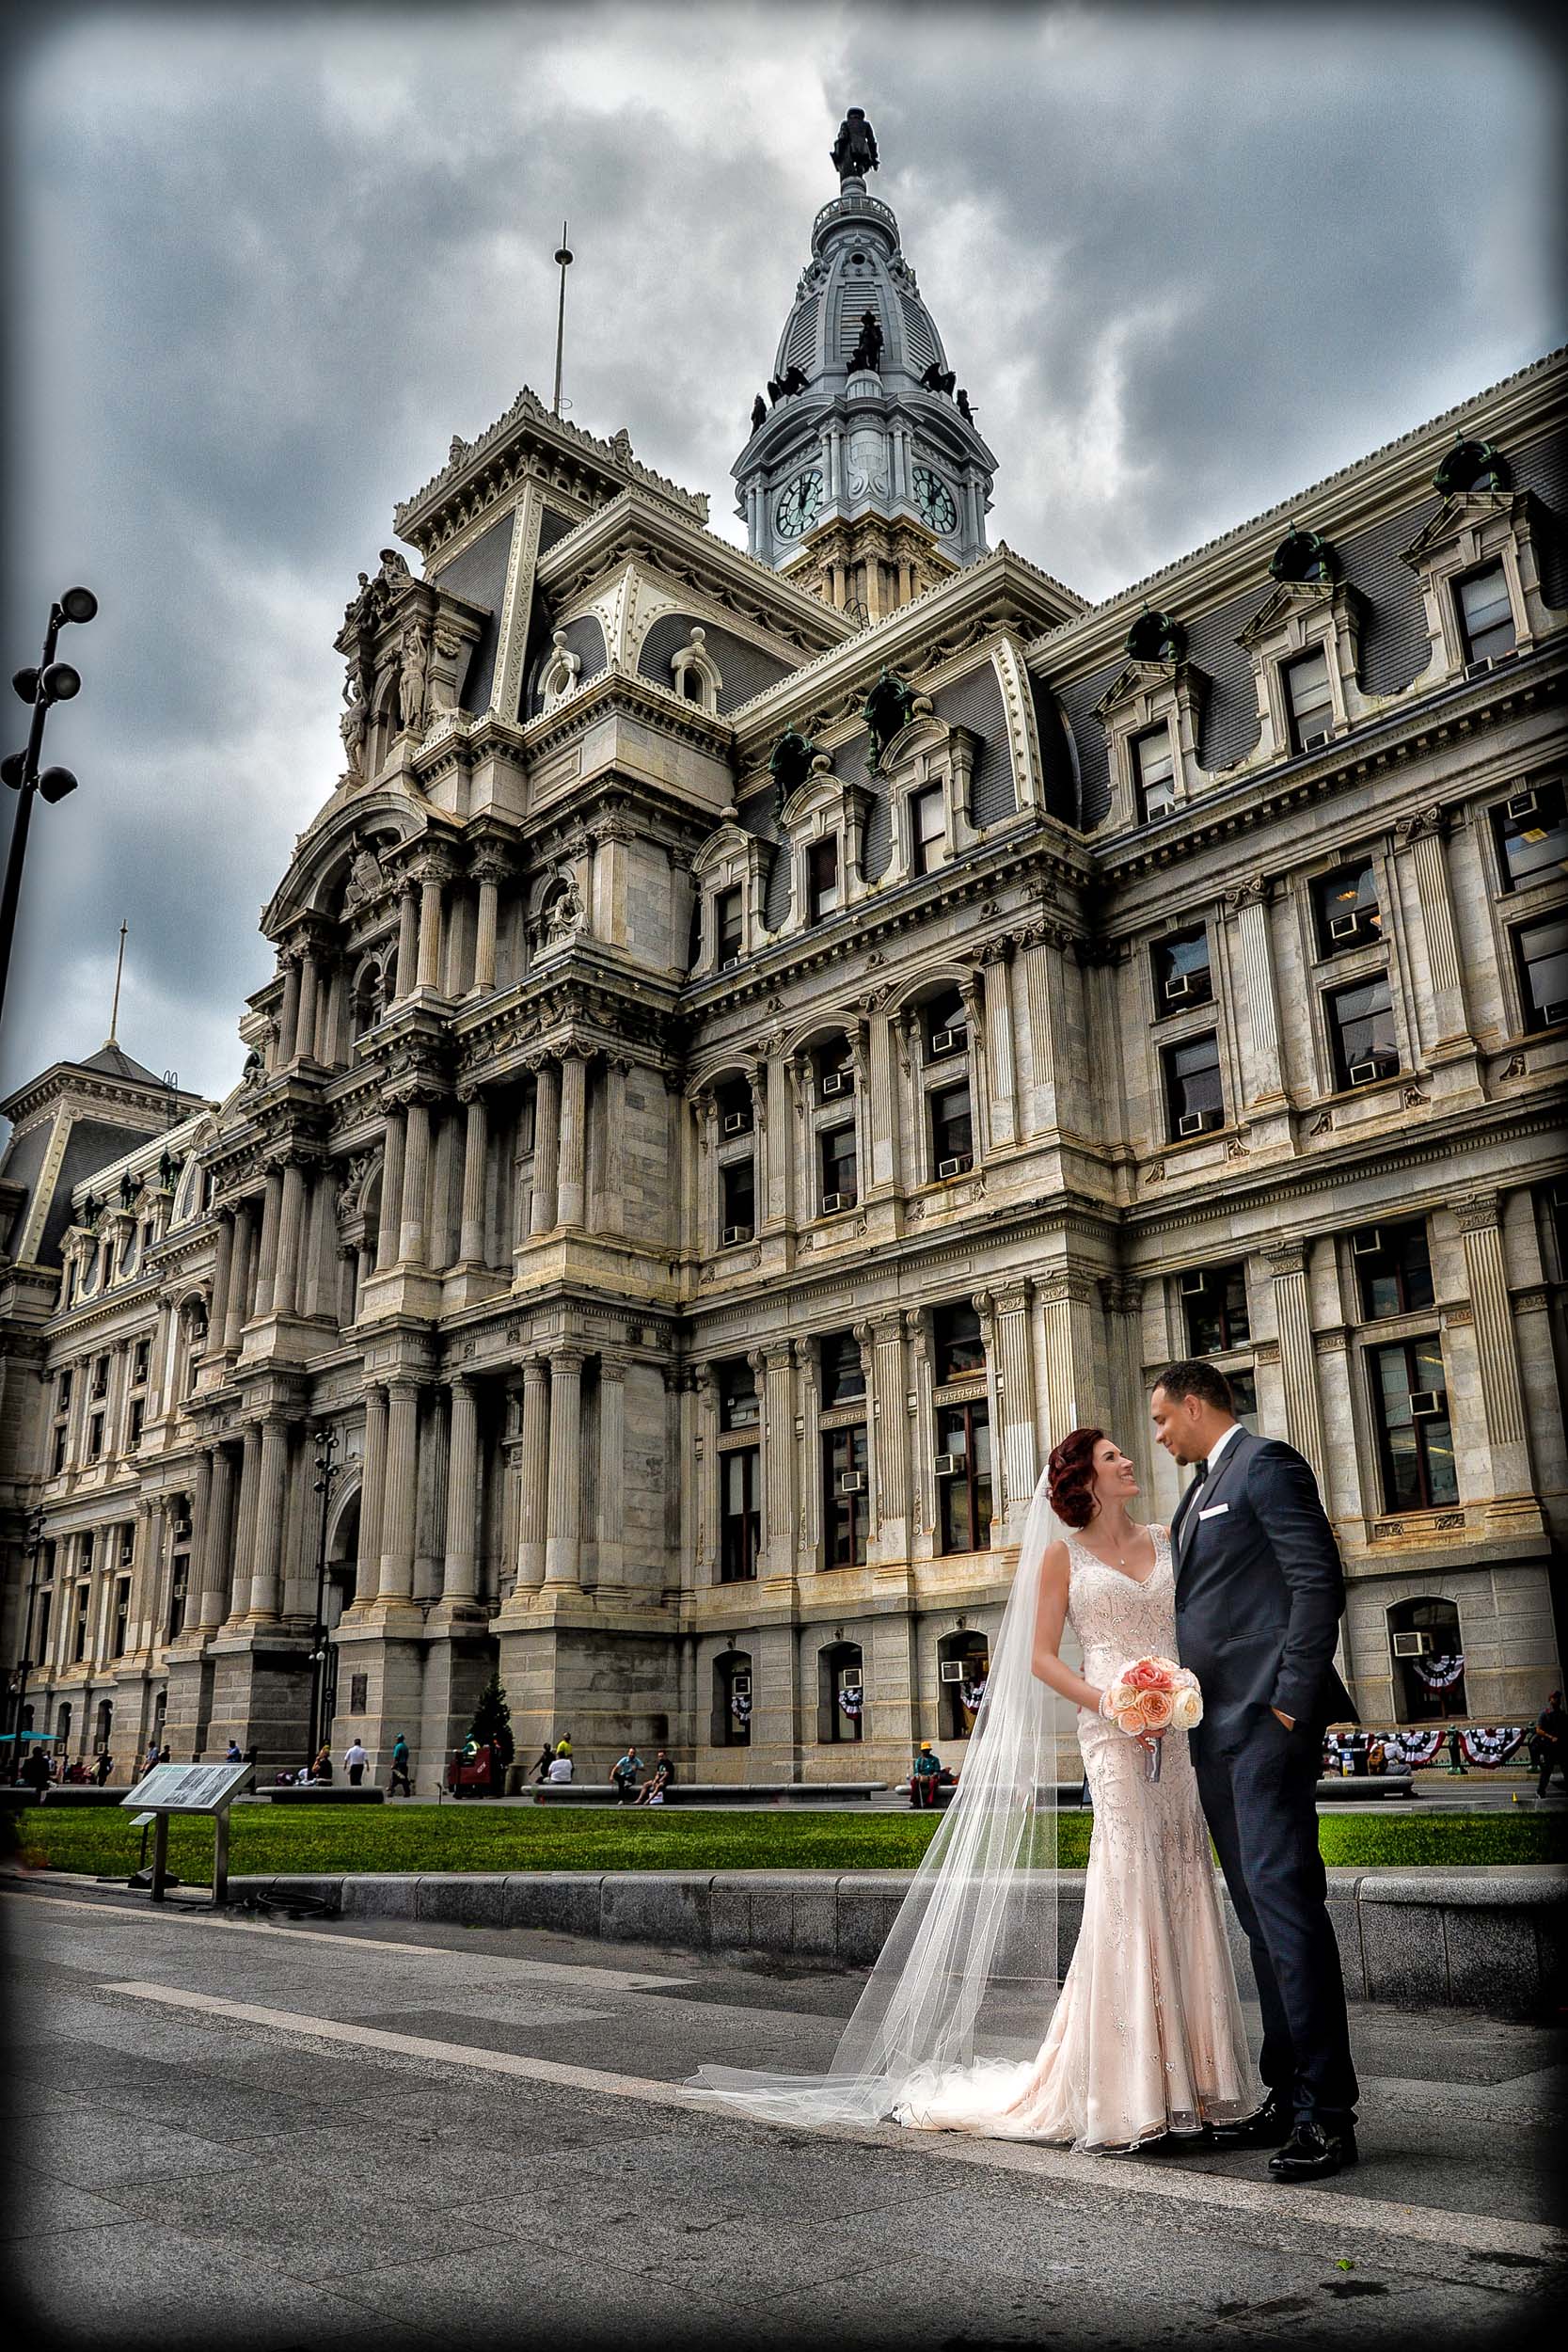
x: 1055, y: 1560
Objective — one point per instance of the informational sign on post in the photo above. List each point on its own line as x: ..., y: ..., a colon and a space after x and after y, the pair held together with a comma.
x: 201, y: 1789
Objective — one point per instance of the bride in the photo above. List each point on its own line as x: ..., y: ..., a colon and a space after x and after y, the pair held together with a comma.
x: 1144, y: 2040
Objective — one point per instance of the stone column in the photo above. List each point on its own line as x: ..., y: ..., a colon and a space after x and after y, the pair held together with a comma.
x: 428, y: 963
x: 489, y: 873
x: 1122, y: 1295
x: 210, y: 1565
x: 414, y: 1240
x: 808, y: 1454
x: 287, y: 1019
x: 476, y: 1149
x: 1496, y: 1349
x: 882, y: 1091
x: 1015, y: 1379
x: 543, y: 1216
x: 773, y: 1365
x: 1420, y: 837
x: 612, y: 1466
x: 389, y: 1218
x: 573, y: 1102
x: 780, y: 1142
x: 614, y: 1209
x: 533, y: 1476
x: 705, y: 1547
x: 1042, y: 1029
x: 245, y: 1522
x: 460, y: 1573
x: 290, y: 1234
x: 239, y: 1278
x: 223, y: 1263
x: 401, y: 1491
x: 979, y: 1064
x: 921, y: 1426
x: 195, y: 1568
x: 266, y: 1579
x: 305, y: 1015
x: 404, y: 975
x: 1298, y: 1363
x: 1068, y: 1310
x: 889, y: 1437
x: 563, y: 1541
x: 996, y: 974
x: 1249, y: 905
x: 146, y: 1555
x: 266, y: 1255
x: 373, y: 1482
x: 445, y: 1182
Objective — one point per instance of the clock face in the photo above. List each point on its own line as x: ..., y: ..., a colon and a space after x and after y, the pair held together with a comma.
x: 936, y: 500
x: 800, y: 505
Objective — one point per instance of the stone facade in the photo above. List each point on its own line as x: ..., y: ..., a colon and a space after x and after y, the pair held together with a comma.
x: 740, y: 1082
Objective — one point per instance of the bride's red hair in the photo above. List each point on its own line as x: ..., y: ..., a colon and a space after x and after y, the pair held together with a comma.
x: 1070, y: 1473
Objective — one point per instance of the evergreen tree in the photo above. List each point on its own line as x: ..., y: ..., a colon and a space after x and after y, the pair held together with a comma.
x: 493, y: 1719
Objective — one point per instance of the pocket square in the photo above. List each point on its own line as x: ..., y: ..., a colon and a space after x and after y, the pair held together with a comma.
x: 1215, y: 1511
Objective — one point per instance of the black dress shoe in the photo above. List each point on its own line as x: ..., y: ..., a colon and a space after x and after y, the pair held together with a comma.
x: 1272, y: 2123
x: 1311, y: 2154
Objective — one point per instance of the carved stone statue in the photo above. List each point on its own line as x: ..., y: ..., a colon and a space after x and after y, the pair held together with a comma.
x: 394, y: 568
x: 353, y: 724
x: 868, y: 350
x: 365, y: 879
x: 854, y: 150
x: 563, y: 913
x: 411, y: 678
x: 759, y: 412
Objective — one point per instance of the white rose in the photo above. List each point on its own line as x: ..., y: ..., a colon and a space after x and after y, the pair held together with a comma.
x: 1120, y: 1697
x: 1186, y: 1709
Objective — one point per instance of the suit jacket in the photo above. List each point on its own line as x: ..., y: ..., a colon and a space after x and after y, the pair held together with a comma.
x: 1260, y: 1592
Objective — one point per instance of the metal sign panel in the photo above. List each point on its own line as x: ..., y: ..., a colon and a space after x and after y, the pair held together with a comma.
x: 189, y: 1787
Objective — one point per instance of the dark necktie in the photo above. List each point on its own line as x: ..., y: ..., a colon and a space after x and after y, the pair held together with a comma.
x: 1201, y: 1471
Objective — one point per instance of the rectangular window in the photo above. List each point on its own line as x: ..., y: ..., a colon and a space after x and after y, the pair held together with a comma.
x: 40, y: 1630
x: 1361, y: 1032
x: 927, y: 829
x: 822, y: 890
x: 1243, y: 1397
x: 1541, y: 955
x: 843, y: 1373
x: 846, y: 1516
x: 738, y: 1203
x: 946, y: 1026
x: 179, y: 1596
x: 122, y: 1616
x: 1393, y: 1267
x: 1181, y: 972
x: 1345, y: 905
x: 1485, y: 615
x: 57, y: 1459
x: 140, y: 1356
x: 835, y: 1072
x: 64, y: 1403
x: 79, y: 1637
x: 1533, y: 836
x: 963, y: 1476
x: 738, y: 1397
x: 959, y: 1347
x: 95, y: 1438
x: 740, y: 1518
x: 835, y: 1149
x: 1194, y: 1099
x: 952, y: 1131
x: 1308, y: 701
x: 1215, y: 1299
x: 1154, y: 769
x: 1410, y: 1404
x: 729, y: 927
x: 134, y: 1425
x: 101, y: 1375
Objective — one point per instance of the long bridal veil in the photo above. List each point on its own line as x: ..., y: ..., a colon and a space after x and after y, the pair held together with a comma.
x: 969, y: 1971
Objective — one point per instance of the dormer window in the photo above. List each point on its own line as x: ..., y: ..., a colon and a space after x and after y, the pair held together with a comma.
x: 823, y: 890
x: 927, y: 829
x: 1479, y: 564
x: 1486, y: 615
x: 1308, y: 701
x: 729, y: 927
x: 1154, y: 767
x: 694, y: 673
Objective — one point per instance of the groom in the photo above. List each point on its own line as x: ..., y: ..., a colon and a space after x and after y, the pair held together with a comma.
x: 1258, y: 1595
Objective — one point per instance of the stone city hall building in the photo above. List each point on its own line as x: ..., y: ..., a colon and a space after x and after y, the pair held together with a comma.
x: 763, y: 1043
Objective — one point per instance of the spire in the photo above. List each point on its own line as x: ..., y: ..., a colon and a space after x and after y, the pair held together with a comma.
x: 113, y: 1010
x: 865, y: 476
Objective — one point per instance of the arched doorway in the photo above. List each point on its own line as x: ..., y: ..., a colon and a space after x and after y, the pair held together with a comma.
x: 732, y: 1699
x: 1428, y: 1661
x: 103, y: 1726
x: 840, y: 1696
x: 342, y: 1568
x: 963, y: 1661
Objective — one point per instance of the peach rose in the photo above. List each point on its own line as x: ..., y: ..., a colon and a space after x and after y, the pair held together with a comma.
x: 1131, y: 1718
x: 1187, y: 1711
x: 1158, y: 1708
x: 1149, y: 1674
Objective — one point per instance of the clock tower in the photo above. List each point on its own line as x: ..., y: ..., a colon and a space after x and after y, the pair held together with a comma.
x: 864, y: 478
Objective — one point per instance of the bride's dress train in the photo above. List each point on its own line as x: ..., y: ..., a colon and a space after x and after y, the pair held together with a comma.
x: 1147, y: 2037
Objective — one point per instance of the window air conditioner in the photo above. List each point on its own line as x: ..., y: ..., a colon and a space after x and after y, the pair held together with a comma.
x: 1345, y: 927
x: 1475, y: 669
x: 1367, y: 1243
x: 834, y: 1081
x: 1555, y: 1010
x: 850, y: 1678
x: 181, y: 1588
x: 1312, y: 737
x: 740, y: 1683
x: 1412, y: 1644
x: 1191, y: 1123
x: 1179, y: 984
x: 733, y: 1234
x: 1194, y: 1282
x: 948, y: 1041
x: 851, y: 1481
x: 957, y: 1166
x: 949, y: 1464
x: 1428, y: 1403
x: 735, y: 1124
x: 951, y: 1670
x: 1363, y: 1073
x: 1520, y: 806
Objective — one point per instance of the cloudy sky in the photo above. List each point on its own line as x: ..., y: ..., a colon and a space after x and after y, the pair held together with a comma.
x: 265, y: 267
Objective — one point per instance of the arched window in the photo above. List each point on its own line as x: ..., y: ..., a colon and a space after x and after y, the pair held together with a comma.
x: 102, y: 1730
x: 1428, y: 1661
x: 963, y: 1661
x: 840, y: 1695
x: 369, y: 999
x: 62, y: 1724
x: 695, y: 673
x: 732, y: 1699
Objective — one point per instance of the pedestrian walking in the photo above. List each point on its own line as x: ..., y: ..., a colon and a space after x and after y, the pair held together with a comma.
x: 1550, y: 1726
x: 1456, y: 1754
x: 355, y: 1756
x: 103, y: 1767
x: 627, y: 1773
x: 399, y: 1769
x: 150, y: 1758
x: 35, y: 1770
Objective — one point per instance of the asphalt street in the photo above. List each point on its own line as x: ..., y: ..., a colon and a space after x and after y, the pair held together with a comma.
x: 271, y: 2133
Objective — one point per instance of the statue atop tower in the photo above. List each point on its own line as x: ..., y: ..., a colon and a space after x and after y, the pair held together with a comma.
x: 854, y: 150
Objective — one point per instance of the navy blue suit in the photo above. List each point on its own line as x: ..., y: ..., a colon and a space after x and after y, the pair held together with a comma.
x: 1260, y: 1592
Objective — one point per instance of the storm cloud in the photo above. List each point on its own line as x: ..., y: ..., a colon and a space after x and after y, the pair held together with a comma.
x: 263, y: 267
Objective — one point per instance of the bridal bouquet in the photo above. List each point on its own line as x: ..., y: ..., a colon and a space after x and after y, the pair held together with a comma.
x: 1150, y: 1697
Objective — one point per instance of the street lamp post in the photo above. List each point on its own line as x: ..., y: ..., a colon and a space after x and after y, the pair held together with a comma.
x: 51, y: 682
x: 328, y: 1472
x: 24, y: 1664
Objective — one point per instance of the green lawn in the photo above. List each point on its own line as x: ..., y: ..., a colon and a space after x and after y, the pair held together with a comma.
x: 472, y: 1837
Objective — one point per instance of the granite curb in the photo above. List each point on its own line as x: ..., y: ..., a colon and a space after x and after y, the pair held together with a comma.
x: 1487, y: 1937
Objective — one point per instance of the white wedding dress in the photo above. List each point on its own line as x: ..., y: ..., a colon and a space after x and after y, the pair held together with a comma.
x: 1147, y: 2036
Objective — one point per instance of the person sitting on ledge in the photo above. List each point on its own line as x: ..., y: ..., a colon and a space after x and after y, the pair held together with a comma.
x: 926, y: 1777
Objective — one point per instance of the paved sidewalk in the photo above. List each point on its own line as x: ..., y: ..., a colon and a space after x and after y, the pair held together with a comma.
x: 278, y: 2135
